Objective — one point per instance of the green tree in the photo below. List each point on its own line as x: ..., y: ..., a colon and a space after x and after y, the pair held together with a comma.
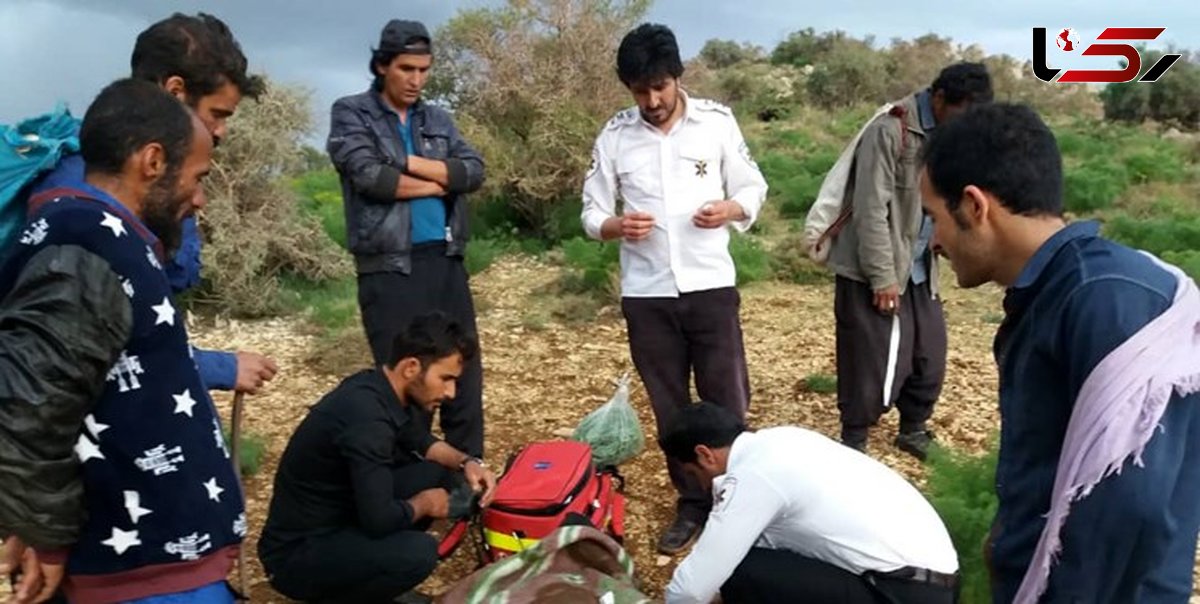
x: 1174, y: 98
x: 851, y: 72
x: 719, y: 54
x: 805, y: 47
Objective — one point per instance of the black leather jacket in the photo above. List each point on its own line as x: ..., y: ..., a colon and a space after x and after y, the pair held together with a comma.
x: 366, y: 148
x: 63, y: 320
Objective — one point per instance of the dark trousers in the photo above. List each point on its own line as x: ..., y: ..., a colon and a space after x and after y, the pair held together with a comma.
x: 864, y: 360
x: 767, y: 576
x: 347, y: 565
x: 390, y: 300
x: 672, y: 338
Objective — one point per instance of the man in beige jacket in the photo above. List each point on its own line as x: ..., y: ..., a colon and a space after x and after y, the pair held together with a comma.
x: 891, y: 334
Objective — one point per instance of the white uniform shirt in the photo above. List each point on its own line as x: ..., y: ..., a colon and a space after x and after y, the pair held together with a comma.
x: 794, y: 489
x: 670, y: 176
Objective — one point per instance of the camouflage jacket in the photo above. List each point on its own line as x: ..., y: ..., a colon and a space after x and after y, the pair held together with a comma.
x: 573, y: 565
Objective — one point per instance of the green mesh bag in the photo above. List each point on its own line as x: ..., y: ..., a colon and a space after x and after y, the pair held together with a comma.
x: 613, y: 430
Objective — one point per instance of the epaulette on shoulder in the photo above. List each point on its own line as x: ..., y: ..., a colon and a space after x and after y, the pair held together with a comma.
x: 623, y: 118
x: 711, y: 105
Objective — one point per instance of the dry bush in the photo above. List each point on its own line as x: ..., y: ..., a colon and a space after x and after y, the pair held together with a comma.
x: 253, y: 228
x: 532, y: 83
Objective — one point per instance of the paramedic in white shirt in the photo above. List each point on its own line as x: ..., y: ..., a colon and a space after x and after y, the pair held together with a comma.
x: 684, y: 176
x: 800, y: 518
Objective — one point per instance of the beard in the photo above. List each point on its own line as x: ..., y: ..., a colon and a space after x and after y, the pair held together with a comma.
x: 659, y: 116
x: 162, y: 209
x: 417, y: 396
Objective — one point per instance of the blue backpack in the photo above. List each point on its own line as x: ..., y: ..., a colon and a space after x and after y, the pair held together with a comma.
x: 28, y: 150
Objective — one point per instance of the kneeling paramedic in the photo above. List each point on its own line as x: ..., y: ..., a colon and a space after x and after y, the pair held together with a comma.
x: 798, y: 517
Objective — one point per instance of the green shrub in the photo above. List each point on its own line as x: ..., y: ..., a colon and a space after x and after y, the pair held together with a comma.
x: 1169, y: 205
x: 753, y: 263
x: 1156, y: 235
x: 789, y: 261
x: 789, y: 139
x: 1188, y: 260
x: 493, y: 218
x: 962, y: 489
x: 320, y: 195
x: 795, y: 172
x: 481, y: 253
x: 796, y: 194
x: 496, y: 218
x: 592, y: 267
x: 251, y: 453
x: 1094, y: 185
x: 1080, y: 141
x: 1157, y: 163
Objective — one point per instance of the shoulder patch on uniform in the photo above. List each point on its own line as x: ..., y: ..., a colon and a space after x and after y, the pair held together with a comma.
x: 724, y: 494
x: 595, y: 163
x: 622, y: 118
x: 744, y: 151
x: 711, y: 105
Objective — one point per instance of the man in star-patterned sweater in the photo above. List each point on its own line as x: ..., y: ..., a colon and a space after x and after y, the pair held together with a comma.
x: 95, y: 365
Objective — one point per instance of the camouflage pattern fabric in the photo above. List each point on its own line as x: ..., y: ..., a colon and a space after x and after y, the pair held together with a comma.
x: 573, y: 565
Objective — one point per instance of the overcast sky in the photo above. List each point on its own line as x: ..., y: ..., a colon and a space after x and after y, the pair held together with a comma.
x: 68, y: 49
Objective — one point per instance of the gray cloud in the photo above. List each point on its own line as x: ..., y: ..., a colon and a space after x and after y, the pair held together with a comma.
x: 68, y: 49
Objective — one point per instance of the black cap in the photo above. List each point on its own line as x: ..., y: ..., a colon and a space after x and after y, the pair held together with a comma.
x: 405, y: 37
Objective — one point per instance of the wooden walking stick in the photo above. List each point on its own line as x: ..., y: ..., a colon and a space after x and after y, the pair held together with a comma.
x: 236, y: 437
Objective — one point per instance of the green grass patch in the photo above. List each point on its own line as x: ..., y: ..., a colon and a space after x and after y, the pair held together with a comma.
x: 821, y: 383
x: 592, y: 267
x: 332, y: 305
x: 1156, y: 235
x: 481, y: 253
x: 251, y: 453
x: 1188, y: 261
x: 751, y: 261
x: 1094, y: 185
x: 961, y: 488
x: 320, y: 195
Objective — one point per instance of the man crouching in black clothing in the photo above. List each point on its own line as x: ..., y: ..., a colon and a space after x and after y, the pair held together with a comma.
x: 362, y: 478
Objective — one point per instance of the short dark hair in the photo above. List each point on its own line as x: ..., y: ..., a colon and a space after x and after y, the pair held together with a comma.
x: 431, y: 337
x: 964, y: 82
x: 128, y: 115
x: 702, y: 423
x: 199, y: 49
x: 1002, y: 148
x: 647, y: 53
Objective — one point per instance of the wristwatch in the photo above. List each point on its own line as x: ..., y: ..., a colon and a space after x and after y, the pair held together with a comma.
x: 463, y: 465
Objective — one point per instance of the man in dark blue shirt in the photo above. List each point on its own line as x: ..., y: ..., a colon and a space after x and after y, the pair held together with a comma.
x: 993, y: 185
